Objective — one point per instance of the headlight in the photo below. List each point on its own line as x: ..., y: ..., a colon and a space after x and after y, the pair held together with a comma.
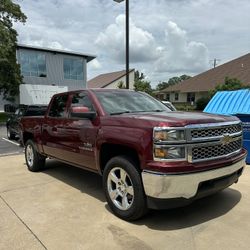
x: 169, y: 153
x: 168, y: 135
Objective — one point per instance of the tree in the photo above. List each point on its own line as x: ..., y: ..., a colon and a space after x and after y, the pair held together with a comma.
x: 120, y: 85
x: 229, y: 84
x: 162, y: 85
x: 202, y: 103
x: 10, y: 75
x: 142, y: 85
x: 172, y: 81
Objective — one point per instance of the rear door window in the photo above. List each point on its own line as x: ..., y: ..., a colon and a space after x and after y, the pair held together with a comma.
x: 59, y: 106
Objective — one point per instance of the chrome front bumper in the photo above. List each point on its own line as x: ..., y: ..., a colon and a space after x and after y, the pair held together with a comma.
x: 164, y: 186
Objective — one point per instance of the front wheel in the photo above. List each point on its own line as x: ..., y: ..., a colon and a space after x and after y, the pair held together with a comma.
x: 34, y: 160
x: 123, y: 189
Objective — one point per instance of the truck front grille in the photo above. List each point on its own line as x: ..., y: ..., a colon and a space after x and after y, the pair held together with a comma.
x: 215, y: 131
x: 214, y: 151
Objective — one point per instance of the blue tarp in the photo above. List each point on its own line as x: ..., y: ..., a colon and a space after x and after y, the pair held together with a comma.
x: 234, y: 103
x: 230, y: 102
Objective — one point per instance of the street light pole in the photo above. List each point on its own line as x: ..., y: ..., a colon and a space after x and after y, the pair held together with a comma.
x: 126, y: 40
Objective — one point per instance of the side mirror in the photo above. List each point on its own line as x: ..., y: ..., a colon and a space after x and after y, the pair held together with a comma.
x: 82, y: 112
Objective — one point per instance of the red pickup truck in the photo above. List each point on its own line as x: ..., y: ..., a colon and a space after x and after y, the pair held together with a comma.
x: 149, y: 156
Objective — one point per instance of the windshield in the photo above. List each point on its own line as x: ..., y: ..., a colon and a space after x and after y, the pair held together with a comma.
x: 119, y: 102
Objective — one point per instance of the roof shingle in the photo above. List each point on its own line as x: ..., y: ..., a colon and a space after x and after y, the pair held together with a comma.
x: 238, y: 68
x: 103, y: 80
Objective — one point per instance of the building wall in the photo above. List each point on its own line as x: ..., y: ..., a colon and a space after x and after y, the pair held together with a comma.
x: 114, y: 84
x: 199, y: 95
x: 55, y: 73
x: 183, y: 96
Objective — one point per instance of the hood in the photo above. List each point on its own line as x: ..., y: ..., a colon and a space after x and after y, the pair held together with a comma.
x: 168, y: 119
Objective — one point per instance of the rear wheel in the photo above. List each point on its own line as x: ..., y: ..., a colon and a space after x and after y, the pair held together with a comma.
x: 10, y: 134
x: 123, y: 189
x: 34, y: 160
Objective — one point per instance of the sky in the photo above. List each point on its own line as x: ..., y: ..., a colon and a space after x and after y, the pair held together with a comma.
x: 167, y: 37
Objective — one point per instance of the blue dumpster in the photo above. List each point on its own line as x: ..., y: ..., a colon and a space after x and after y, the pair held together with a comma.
x: 246, y: 133
x: 234, y: 103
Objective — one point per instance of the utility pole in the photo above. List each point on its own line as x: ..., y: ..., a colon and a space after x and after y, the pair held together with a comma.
x: 126, y: 39
x: 127, y: 44
x: 215, y: 62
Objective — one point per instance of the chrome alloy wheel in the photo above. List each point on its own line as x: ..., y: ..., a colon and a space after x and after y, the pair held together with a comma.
x: 120, y: 188
x: 30, y: 155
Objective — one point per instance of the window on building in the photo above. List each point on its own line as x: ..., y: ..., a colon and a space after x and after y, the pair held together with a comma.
x: 176, y: 96
x: 33, y: 63
x: 167, y: 97
x: 191, y: 97
x: 73, y: 68
x: 58, y: 106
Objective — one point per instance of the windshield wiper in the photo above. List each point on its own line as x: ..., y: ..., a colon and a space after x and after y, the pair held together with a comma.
x: 120, y: 113
x: 136, y: 111
x: 157, y: 110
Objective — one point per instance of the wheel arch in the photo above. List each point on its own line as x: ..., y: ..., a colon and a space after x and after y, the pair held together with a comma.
x: 109, y: 150
x: 27, y: 136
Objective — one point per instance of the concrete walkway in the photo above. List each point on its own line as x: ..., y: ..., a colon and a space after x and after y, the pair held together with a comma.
x: 64, y: 208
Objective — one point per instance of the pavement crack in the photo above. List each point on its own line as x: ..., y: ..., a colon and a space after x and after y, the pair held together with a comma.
x: 13, y: 211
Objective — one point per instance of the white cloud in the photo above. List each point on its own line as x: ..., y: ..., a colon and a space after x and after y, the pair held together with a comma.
x: 205, y: 25
x: 112, y: 42
x: 180, y: 54
x: 94, y: 65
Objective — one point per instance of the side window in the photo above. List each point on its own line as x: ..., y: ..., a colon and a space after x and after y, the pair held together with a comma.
x: 82, y: 100
x: 58, y: 106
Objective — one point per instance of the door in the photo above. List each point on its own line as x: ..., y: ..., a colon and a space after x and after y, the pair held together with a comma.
x: 81, y: 133
x: 53, y: 128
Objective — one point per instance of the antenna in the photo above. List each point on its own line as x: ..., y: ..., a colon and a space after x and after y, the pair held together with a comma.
x: 215, y: 62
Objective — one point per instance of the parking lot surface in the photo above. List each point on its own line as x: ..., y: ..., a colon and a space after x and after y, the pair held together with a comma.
x: 64, y: 208
x: 8, y: 147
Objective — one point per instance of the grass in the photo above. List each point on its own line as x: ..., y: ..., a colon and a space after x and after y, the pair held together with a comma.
x: 184, y: 107
x: 3, y: 117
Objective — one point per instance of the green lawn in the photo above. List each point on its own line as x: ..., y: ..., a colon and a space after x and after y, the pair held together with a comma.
x: 184, y: 107
x: 3, y: 117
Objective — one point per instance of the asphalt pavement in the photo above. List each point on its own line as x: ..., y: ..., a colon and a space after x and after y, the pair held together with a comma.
x: 8, y: 147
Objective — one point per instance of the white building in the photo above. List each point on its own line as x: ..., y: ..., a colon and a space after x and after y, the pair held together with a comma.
x: 51, y: 67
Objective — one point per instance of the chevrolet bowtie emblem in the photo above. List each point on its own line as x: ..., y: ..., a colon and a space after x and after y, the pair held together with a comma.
x: 226, y: 139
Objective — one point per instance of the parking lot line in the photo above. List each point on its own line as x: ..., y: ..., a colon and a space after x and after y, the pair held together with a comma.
x: 15, y: 143
x: 12, y: 153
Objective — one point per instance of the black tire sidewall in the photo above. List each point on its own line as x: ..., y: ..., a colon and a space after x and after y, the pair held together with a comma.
x: 10, y: 135
x: 38, y: 161
x: 138, y: 208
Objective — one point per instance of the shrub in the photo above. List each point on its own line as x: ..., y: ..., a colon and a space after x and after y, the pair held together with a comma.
x: 202, y: 103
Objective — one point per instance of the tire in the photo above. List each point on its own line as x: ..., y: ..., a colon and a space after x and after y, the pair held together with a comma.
x: 34, y: 160
x: 123, y: 189
x: 10, y: 134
